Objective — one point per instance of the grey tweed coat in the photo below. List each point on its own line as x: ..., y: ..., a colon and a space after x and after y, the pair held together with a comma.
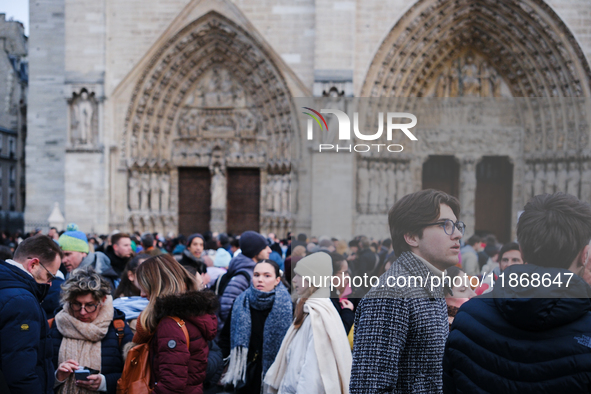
x: 400, y: 334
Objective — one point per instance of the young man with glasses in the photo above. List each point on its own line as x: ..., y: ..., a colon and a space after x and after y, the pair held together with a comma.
x: 25, y: 353
x: 401, y: 325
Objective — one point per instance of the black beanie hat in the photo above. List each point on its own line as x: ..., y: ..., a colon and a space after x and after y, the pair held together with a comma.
x: 252, y: 243
x: 192, y: 237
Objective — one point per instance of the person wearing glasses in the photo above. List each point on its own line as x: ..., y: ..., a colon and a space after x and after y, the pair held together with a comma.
x: 85, y: 335
x: 401, y: 325
x: 25, y: 352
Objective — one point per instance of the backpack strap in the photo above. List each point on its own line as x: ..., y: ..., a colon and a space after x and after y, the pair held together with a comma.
x: 181, y: 324
x: 119, y: 325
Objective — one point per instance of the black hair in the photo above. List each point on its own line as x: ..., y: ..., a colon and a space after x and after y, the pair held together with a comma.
x: 272, y: 263
x: 126, y: 288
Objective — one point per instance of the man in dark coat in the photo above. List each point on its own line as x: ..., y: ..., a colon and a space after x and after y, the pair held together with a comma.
x: 401, y: 325
x: 25, y: 345
x: 531, y: 334
x: 119, y: 252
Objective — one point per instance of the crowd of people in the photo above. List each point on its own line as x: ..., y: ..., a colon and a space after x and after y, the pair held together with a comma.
x: 244, y: 314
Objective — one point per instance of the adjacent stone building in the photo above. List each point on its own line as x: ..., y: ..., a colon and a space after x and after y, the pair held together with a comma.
x: 13, y: 128
x: 181, y: 115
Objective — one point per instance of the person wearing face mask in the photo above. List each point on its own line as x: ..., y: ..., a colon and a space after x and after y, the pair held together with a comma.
x: 25, y: 353
x: 315, y: 356
x: 88, y: 333
x: 459, y: 294
x: 256, y: 325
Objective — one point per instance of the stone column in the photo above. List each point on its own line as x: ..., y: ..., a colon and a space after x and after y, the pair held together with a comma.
x: 219, y: 194
x: 468, y: 192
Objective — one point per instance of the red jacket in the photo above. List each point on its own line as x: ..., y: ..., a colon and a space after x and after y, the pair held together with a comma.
x: 176, y: 369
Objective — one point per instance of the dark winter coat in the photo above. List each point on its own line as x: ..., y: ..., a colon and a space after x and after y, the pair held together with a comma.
x: 189, y: 260
x: 51, y: 302
x: 512, y: 342
x: 177, y: 369
x: 117, y: 263
x: 25, y: 346
x: 111, y: 353
x: 346, y: 314
x: 237, y: 284
x: 400, y: 334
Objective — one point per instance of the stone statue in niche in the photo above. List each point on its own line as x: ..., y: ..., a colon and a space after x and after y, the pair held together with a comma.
x: 165, y: 192
x: 470, y: 81
x: 391, y: 185
x: 269, y: 192
x: 285, y: 194
x: 134, y: 191
x: 218, y: 188
x: 362, y: 187
x: 374, y: 187
x: 84, y: 119
x: 561, y: 177
x: 586, y: 181
x: 154, y: 192
x: 550, y: 177
x: 572, y: 183
x: 145, y: 191
x: 528, y: 181
x: 540, y: 177
x: 277, y: 188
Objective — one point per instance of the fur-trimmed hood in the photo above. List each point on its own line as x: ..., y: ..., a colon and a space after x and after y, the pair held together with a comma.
x: 187, y: 305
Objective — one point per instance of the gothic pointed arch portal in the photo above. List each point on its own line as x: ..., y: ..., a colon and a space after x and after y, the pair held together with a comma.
x: 211, y: 97
x: 491, y: 48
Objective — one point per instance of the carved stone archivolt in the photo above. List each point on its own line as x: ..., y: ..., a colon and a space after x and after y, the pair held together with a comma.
x: 83, y: 125
x: 211, y: 87
x: 468, y: 48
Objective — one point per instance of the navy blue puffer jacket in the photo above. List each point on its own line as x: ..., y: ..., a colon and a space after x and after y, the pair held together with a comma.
x: 111, y: 353
x: 236, y: 286
x: 25, y: 346
x: 513, y: 342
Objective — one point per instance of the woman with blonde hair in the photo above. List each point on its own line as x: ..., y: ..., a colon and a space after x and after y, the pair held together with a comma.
x: 315, y: 356
x: 88, y: 332
x: 172, y: 292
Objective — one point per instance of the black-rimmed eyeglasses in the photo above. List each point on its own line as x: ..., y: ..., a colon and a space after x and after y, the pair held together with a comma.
x: 449, y: 226
x: 52, y: 277
x: 89, y: 308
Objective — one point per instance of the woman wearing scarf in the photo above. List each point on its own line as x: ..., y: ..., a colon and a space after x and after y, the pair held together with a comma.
x: 315, y: 356
x: 259, y: 319
x: 173, y: 292
x: 83, y: 335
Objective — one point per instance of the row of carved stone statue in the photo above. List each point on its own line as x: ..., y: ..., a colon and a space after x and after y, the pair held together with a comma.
x: 572, y: 177
x: 380, y: 184
x: 149, y: 191
x: 277, y: 198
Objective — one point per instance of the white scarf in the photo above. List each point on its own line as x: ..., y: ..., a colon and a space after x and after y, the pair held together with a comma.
x: 330, y: 343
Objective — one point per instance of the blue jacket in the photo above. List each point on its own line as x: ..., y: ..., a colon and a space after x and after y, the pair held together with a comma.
x: 236, y: 286
x: 512, y: 342
x: 111, y: 353
x: 25, y: 346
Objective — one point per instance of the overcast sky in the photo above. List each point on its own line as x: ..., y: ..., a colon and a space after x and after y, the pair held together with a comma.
x: 17, y: 10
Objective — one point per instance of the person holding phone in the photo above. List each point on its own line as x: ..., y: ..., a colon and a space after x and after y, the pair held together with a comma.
x: 87, y: 349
